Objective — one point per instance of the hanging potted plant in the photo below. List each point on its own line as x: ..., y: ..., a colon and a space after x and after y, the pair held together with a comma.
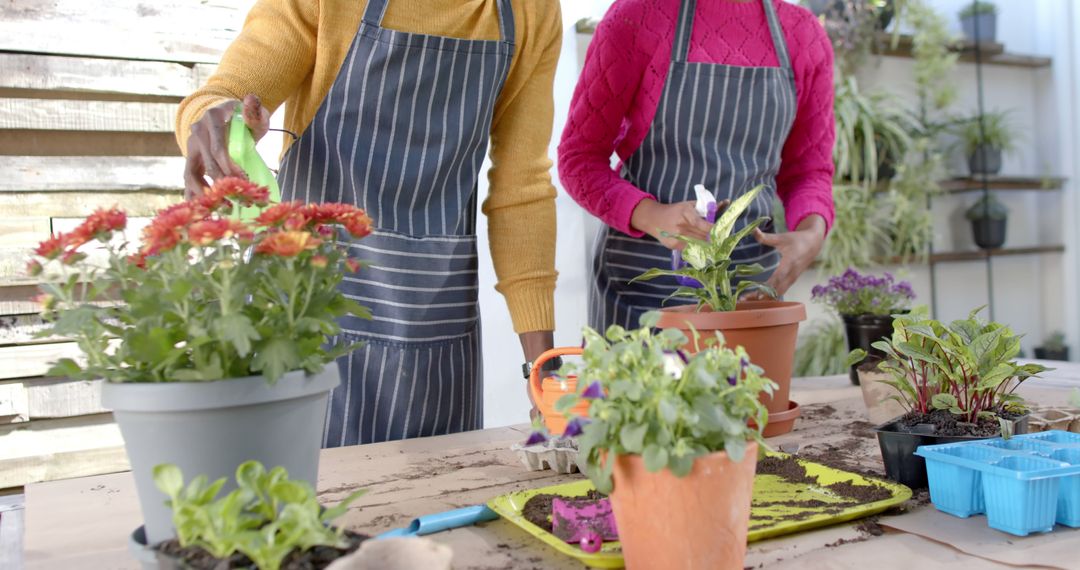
x: 665, y: 428
x: 867, y: 305
x: 989, y: 220
x: 957, y: 382
x: 979, y: 21
x: 1053, y: 348
x: 987, y: 138
x: 212, y: 336
x: 768, y: 330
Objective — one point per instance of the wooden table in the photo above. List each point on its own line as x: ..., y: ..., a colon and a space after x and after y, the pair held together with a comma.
x: 84, y: 523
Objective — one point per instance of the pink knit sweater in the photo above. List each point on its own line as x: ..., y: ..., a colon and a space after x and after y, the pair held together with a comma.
x: 625, y: 71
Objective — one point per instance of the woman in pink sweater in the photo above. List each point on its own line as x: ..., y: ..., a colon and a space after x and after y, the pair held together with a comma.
x: 730, y: 94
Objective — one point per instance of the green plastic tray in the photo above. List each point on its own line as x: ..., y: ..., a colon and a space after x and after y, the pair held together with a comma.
x: 768, y: 489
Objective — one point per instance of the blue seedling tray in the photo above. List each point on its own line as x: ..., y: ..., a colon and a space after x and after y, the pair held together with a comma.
x: 1024, y: 484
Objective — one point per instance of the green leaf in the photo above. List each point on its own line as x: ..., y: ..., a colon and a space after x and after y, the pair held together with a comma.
x: 237, y: 330
x: 856, y: 356
x: 566, y: 402
x: 697, y: 255
x: 153, y: 347
x: 632, y: 437
x: 944, y: 402
x: 65, y: 367
x: 168, y: 479
x: 681, y: 465
x: 723, y: 226
x: 274, y: 357
x: 333, y: 513
x: 669, y: 413
x: 656, y: 457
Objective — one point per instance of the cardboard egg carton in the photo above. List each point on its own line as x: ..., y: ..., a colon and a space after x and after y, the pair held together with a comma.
x: 559, y: 455
x: 1048, y: 418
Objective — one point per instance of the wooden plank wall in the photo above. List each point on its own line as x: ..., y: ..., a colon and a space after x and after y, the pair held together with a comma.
x: 88, y: 97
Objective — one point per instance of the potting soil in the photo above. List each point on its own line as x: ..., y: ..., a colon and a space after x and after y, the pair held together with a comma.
x: 318, y: 558
x: 946, y: 424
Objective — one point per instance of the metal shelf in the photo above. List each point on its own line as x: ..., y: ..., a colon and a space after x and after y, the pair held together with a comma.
x: 982, y: 254
x: 1003, y: 183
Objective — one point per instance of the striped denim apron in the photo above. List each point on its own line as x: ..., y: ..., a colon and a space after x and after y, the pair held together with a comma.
x: 403, y: 134
x: 722, y: 126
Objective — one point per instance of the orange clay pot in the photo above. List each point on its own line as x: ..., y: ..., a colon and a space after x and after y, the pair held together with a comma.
x: 767, y: 330
x: 547, y: 392
x: 697, y: 522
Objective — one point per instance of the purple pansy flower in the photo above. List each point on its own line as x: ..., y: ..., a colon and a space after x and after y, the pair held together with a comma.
x: 575, y: 426
x: 536, y: 438
x: 593, y: 392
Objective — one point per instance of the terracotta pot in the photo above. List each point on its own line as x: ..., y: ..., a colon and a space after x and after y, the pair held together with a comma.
x: 780, y: 422
x: 876, y: 393
x: 766, y: 329
x: 697, y: 522
x: 545, y: 393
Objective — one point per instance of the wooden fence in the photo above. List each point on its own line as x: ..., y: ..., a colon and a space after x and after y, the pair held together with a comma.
x: 88, y: 97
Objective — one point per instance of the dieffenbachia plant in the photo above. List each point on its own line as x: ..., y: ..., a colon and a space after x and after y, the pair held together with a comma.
x: 709, y: 261
x: 265, y: 518
x: 967, y: 367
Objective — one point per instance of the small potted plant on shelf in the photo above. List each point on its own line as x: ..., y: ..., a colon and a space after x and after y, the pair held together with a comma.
x: 867, y: 304
x: 989, y: 221
x: 979, y: 21
x: 987, y: 138
x: 211, y: 336
x: 766, y: 329
x: 267, y: 521
x: 957, y: 381
x: 1053, y: 348
x: 666, y: 427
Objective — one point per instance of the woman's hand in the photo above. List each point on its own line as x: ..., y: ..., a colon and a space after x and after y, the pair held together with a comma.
x: 798, y: 250
x: 208, y: 145
x: 664, y: 220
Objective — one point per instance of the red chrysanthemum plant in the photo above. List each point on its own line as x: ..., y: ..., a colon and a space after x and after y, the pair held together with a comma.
x: 202, y: 296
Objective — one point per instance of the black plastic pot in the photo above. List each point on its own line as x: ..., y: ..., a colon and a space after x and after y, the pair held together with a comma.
x: 989, y: 233
x: 898, y: 449
x: 862, y: 332
x: 1052, y: 353
x: 984, y: 159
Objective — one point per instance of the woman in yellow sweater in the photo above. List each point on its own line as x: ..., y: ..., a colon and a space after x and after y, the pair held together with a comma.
x: 394, y: 103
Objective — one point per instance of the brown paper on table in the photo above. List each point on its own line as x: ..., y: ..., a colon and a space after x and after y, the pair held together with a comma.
x: 1059, y: 549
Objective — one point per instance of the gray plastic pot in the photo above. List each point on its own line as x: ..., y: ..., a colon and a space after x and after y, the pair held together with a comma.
x: 985, y: 159
x: 209, y: 428
x: 987, y: 28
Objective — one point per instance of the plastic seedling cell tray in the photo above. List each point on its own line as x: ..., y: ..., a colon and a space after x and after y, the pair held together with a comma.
x: 1023, y: 485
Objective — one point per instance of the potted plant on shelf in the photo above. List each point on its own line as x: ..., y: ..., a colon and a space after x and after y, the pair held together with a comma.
x: 989, y: 221
x: 987, y: 138
x: 768, y: 330
x: 266, y: 521
x: 957, y: 381
x: 979, y: 21
x: 1053, y: 348
x: 212, y: 337
x: 867, y: 304
x: 665, y: 428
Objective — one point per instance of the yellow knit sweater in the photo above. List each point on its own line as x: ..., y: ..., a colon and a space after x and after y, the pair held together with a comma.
x: 289, y: 52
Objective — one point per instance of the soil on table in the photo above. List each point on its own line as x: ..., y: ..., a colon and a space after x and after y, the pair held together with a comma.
x: 318, y: 558
x: 789, y: 469
x: 946, y: 424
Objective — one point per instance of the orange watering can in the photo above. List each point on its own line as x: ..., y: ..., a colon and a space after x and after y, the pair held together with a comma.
x: 547, y: 392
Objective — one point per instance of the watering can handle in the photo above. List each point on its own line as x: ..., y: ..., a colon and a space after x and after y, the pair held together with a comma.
x: 535, y: 387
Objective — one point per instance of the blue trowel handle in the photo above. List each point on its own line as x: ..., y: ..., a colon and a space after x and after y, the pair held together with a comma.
x: 439, y: 522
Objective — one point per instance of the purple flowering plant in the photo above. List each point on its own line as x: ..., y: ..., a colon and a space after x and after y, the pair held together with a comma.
x: 852, y: 293
x: 648, y: 397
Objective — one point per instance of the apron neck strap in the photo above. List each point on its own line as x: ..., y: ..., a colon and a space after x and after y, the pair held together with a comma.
x: 685, y: 27
x: 376, y: 10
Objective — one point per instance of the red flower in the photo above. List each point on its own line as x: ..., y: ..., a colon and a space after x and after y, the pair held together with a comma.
x: 52, y: 247
x: 138, y: 260
x: 288, y: 243
x: 355, y: 220
x: 278, y: 213
x: 319, y: 261
x: 206, y: 232
x: 167, y: 229
x: 353, y: 265
x: 296, y: 221
x: 97, y: 226
x: 46, y: 300
x: 246, y: 192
